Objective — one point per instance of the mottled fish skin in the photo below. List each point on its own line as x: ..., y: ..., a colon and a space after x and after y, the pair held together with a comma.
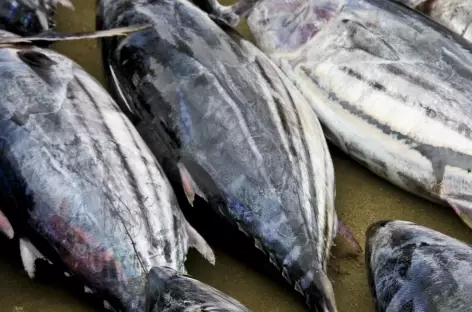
x: 29, y: 17
x: 171, y: 291
x: 392, y: 88
x: 454, y: 14
x: 414, y: 268
x: 83, y: 189
x: 244, y: 133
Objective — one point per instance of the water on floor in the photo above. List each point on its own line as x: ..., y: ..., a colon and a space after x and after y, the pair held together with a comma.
x: 362, y: 198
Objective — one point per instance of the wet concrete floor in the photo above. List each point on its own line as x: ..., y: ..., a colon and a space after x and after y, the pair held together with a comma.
x: 362, y: 198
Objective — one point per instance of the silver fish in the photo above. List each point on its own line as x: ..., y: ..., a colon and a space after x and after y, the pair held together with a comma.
x: 454, y: 14
x: 232, y: 130
x: 171, y: 291
x: 392, y: 88
x: 78, y: 185
x: 28, y: 17
x: 414, y: 268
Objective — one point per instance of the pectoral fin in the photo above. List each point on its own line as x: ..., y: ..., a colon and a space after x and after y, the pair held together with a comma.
x: 5, y: 226
x: 199, y: 243
x: 347, y: 234
x: 188, y: 183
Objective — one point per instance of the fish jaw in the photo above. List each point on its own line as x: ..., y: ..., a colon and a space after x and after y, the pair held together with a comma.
x: 170, y: 290
x: 284, y: 26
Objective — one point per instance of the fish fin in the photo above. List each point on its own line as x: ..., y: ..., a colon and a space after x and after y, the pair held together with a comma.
x: 35, y: 58
x: 29, y: 254
x: 39, y: 62
x: 462, y: 210
x: 190, y: 187
x: 56, y: 36
x: 5, y: 226
x: 43, y: 18
x: 66, y: 3
x: 199, y: 243
x: 347, y: 234
x: 88, y: 290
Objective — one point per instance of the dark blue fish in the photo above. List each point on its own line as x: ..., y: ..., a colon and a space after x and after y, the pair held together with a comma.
x: 230, y: 128
x: 416, y: 269
x: 78, y: 185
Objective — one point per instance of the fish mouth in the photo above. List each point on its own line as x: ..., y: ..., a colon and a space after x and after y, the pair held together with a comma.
x: 320, y: 295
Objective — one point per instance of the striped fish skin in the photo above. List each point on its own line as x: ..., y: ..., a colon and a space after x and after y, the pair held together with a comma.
x: 246, y: 136
x: 29, y: 17
x: 83, y: 189
x: 171, y: 291
x: 414, y: 268
x: 391, y: 88
x: 454, y: 14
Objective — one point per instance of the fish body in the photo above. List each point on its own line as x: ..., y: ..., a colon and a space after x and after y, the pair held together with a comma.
x: 454, y: 14
x: 29, y: 17
x: 236, y: 132
x: 414, y: 268
x: 171, y: 291
x: 391, y: 88
x: 78, y: 185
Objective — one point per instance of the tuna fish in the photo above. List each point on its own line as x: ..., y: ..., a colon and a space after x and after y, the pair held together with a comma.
x: 171, y: 291
x: 78, y: 185
x: 231, y: 130
x: 28, y: 17
x: 392, y: 88
x: 414, y: 268
x: 454, y: 14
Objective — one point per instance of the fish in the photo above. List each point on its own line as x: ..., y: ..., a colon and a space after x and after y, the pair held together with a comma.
x: 169, y: 290
x: 29, y: 17
x: 231, y: 132
x: 391, y: 88
x: 414, y: 268
x: 454, y: 14
x: 79, y: 188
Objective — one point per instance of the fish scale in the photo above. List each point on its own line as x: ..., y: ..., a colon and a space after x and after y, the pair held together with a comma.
x: 256, y: 150
x: 391, y: 88
x: 85, y: 191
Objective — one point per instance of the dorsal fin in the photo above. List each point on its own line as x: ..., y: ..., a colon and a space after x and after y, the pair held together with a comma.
x: 39, y: 62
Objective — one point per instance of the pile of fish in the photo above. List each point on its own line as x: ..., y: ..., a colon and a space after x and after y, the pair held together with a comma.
x: 93, y: 182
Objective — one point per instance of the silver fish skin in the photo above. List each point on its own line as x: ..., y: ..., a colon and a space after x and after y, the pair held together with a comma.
x: 79, y: 187
x: 171, y: 291
x: 392, y: 88
x: 231, y: 129
x: 29, y: 17
x: 414, y: 268
x: 454, y: 14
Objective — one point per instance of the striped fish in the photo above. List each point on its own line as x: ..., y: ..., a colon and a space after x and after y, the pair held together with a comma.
x: 78, y: 185
x: 231, y: 130
x: 454, y: 14
x: 392, y: 88
x: 414, y: 268
x: 28, y: 17
x: 171, y: 291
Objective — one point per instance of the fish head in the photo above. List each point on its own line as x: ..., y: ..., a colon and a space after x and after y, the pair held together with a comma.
x: 285, y: 25
x: 170, y: 290
x: 408, y: 264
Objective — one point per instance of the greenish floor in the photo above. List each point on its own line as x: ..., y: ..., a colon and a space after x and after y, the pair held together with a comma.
x: 362, y: 198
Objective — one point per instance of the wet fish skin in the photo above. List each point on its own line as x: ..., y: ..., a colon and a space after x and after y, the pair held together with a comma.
x: 235, y: 130
x: 29, y: 17
x: 454, y: 14
x: 84, y: 192
x: 391, y: 88
x: 171, y: 291
x: 414, y: 268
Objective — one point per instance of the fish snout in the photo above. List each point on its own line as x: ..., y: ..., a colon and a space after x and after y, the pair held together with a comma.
x: 322, y: 298
x: 374, y: 227
x: 156, y: 283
